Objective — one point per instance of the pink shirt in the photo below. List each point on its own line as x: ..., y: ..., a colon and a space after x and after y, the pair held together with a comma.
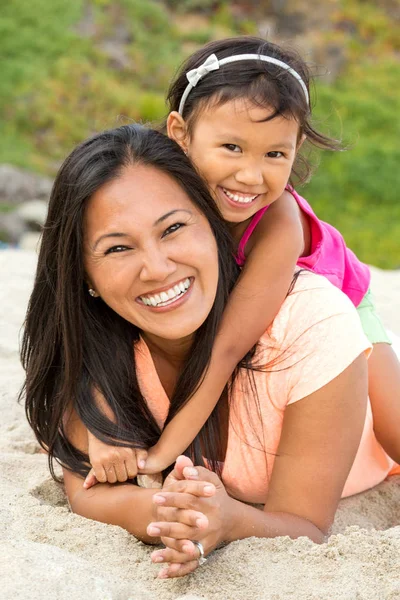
x: 315, y: 336
x: 329, y: 255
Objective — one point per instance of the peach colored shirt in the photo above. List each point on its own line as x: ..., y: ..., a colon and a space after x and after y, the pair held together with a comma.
x: 315, y: 336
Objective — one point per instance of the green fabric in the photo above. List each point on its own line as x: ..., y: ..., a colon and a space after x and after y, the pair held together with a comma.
x: 371, y: 323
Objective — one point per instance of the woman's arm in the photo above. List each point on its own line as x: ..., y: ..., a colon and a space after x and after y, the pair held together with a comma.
x: 253, y: 304
x: 126, y: 505
x: 320, y: 437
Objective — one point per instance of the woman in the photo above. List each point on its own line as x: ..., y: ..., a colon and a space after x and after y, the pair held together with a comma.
x: 128, y: 220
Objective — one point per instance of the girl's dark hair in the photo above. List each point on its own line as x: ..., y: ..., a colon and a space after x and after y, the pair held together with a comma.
x: 265, y: 84
x: 73, y: 343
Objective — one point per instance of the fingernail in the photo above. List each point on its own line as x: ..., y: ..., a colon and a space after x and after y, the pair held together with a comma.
x: 158, y: 559
x: 142, y: 463
x: 200, y: 522
x: 191, y: 472
x: 187, y: 548
x: 163, y: 574
x: 152, y: 530
x: 158, y: 499
x: 209, y: 489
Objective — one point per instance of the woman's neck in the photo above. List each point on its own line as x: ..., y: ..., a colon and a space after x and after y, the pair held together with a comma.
x: 168, y: 357
x: 173, y: 351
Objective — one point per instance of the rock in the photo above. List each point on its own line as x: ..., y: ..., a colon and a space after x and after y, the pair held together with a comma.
x: 18, y: 185
x: 12, y: 227
x: 33, y: 212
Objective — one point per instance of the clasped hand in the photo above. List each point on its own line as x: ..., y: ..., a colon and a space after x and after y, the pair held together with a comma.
x: 192, y: 505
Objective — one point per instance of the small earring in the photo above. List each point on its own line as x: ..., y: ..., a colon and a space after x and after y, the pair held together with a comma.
x: 92, y: 292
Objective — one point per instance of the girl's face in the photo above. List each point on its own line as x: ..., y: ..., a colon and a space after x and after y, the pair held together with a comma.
x: 150, y: 253
x: 246, y: 161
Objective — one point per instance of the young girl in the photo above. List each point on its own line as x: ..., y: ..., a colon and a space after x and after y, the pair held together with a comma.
x: 240, y: 109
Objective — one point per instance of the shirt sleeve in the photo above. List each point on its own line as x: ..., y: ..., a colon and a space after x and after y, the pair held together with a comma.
x: 314, y: 338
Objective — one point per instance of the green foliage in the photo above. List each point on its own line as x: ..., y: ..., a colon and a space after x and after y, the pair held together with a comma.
x: 357, y: 190
x: 58, y: 87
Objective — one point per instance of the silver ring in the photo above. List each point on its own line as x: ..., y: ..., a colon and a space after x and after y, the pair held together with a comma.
x: 202, y: 559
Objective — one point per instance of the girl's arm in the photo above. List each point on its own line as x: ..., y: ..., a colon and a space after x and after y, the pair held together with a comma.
x: 126, y: 505
x: 274, y: 248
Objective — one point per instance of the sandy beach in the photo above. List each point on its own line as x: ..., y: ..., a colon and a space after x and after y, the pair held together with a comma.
x: 48, y: 552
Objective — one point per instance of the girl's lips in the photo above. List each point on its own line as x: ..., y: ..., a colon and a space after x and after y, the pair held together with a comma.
x: 174, y: 303
x: 236, y: 204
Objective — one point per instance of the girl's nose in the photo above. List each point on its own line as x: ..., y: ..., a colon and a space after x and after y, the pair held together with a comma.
x: 156, y: 266
x: 250, y: 174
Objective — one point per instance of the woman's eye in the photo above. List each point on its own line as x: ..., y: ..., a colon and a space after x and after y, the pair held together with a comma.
x: 275, y: 154
x: 173, y: 228
x: 232, y: 147
x: 114, y: 249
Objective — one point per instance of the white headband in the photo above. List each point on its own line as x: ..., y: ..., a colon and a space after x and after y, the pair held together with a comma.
x: 212, y: 64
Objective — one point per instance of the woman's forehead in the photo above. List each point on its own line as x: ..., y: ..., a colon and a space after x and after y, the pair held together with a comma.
x: 141, y: 194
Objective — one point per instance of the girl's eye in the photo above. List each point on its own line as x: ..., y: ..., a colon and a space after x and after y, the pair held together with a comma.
x: 275, y: 154
x: 173, y: 228
x: 232, y: 147
x: 114, y: 249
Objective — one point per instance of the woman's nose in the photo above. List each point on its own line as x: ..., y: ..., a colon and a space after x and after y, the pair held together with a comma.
x: 250, y: 174
x: 156, y: 265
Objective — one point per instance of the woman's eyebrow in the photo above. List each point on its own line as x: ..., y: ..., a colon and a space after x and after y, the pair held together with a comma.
x: 159, y: 220
x: 171, y: 212
x: 108, y: 235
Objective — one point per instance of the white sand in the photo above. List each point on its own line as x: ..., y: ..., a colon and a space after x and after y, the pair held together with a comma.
x: 47, y: 552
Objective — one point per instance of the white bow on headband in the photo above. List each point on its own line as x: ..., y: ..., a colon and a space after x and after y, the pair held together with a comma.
x: 213, y: 64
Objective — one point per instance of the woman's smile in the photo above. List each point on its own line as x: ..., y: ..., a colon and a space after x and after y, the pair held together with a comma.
x: 169, y: 297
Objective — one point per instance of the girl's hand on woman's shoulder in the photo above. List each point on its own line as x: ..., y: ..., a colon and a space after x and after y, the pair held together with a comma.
x: 192, y: 506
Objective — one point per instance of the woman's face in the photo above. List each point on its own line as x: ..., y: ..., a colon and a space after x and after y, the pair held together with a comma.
x: 150, y: 253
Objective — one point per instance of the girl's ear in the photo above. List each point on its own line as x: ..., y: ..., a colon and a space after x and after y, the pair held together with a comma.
x: 176, y: 129
x: 300, y: 142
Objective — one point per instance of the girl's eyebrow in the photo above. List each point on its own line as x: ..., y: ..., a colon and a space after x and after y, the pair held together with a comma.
x: 237, y: 140
x: 118, y: 234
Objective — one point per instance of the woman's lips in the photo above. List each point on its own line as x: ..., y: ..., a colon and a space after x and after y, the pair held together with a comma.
x: 169, y: 298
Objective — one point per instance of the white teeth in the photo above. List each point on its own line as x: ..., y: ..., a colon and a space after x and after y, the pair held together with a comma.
x: 240, y: 199
x: 165, y: 298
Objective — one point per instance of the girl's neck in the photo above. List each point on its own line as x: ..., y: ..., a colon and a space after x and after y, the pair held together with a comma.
x: 237, y: 229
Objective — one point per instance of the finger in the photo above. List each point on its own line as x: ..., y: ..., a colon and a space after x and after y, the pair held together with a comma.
x: 111, y: 474
x: 168, y: 555
x: 185, y: 546
x: 178, y: 570
x: 201, y: 474
x: 141, y: 457
x: 177, y: 473
x: 131, y: 467
x: 90, y: 480
x: 179, y: 531
x: 172, y: 555
x: 196, y: 488
x: 120, y: 471
x: 192, y: 518
x: 99, y: 472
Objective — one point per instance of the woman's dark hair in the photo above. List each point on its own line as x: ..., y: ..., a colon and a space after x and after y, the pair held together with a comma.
x: 73, y: 343
x: 264, y: 84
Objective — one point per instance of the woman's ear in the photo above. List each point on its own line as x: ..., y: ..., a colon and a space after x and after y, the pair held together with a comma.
x: 176, y: 129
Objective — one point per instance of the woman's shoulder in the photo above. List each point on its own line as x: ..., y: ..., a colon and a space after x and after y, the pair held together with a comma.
x: 312, y: 300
